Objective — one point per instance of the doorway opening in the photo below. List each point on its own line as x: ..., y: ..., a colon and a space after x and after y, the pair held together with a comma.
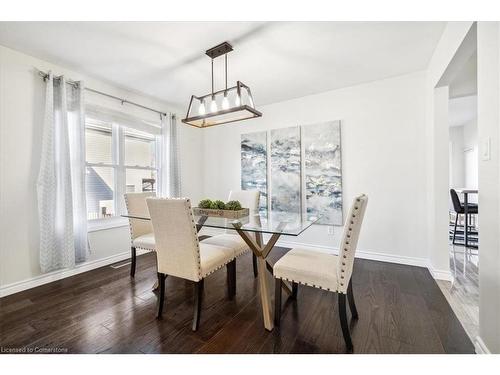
x: 460, y: 83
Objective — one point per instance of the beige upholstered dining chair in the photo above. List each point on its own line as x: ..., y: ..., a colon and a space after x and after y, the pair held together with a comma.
x: 248, y: 199
x: 141, y: 231
x: 180, y: 254
x: 323, y: 270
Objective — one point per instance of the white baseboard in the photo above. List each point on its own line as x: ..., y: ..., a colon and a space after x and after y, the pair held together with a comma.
x: 363, y: 254
x: 445, y: 275
x: 19, y: 286
x: 88, y: 266
x: 381, y: 257
x: 480, y: 346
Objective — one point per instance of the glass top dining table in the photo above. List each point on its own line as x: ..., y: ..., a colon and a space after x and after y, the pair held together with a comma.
x: 273, y: 223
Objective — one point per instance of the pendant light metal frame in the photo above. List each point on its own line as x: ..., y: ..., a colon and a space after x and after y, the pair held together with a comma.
x: 218, y: 117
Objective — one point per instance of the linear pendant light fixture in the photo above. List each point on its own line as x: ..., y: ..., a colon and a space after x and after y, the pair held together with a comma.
x: 220, y: 107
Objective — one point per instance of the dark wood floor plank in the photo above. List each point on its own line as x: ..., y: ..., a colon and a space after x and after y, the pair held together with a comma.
x: 401, y: 310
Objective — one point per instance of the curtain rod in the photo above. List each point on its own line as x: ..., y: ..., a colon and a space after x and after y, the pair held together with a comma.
x: 44, y: 75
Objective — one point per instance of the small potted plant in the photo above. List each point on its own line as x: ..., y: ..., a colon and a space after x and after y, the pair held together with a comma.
x: 217, y: 208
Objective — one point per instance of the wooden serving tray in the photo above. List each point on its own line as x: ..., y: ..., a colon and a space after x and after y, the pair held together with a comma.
x: 228, y: 214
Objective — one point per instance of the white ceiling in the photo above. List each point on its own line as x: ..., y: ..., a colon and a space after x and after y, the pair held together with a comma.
x: 279, y: 61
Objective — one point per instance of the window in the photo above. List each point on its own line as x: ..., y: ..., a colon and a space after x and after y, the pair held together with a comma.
x: 119, y: 160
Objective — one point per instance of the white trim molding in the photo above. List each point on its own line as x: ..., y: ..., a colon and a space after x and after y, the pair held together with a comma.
x: 363, y: 254
x: 381, y: 257
x: 480, y: 346
x: 19, y: 286
x: 105, y: 224
x: 445, y: 275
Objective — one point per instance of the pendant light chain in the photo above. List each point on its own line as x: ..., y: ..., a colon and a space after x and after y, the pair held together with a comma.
x: 212, y: 77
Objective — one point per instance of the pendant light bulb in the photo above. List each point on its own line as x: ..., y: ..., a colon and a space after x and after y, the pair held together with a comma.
x: 213, y: 105
x: 225, y: 102
x: 237, y: 101
x: 201, y: 110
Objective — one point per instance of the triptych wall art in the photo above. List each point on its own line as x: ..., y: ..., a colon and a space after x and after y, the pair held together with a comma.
x: 296, y: 169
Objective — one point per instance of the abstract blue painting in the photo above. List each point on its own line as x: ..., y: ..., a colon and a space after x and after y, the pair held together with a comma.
x: 323, y: 171
x: 305, y: 171
x: 254, y: 166
x: 285, y: 170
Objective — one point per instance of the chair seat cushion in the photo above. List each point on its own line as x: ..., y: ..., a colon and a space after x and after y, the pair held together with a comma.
x: 233, y: 241
x: 146, y: 241
x: 308, y: 267
x: 213, y: 257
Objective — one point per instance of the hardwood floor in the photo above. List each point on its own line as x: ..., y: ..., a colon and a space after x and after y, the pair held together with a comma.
x: 401, y: 310
x: 463, y: 293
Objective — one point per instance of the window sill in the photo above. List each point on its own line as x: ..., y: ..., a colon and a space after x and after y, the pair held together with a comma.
x: 104, y: 224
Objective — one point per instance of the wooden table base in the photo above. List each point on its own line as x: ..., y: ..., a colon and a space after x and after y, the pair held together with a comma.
x: 262, y: 251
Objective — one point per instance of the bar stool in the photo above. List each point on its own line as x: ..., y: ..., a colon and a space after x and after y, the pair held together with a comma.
x: 459, y: 208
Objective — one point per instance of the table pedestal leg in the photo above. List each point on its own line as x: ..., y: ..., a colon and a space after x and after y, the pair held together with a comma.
x: 262, y: 251
x: 265, y: 294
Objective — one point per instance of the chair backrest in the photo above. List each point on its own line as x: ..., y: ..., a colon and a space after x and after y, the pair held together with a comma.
x: 248, y: 199
x: 136, y: 205
x: 349, y: 241
x: 176, y: 238
x: 457, y: 206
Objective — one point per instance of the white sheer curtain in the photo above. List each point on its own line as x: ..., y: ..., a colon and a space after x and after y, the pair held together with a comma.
x: 61, y: 179
x: 169, y: 184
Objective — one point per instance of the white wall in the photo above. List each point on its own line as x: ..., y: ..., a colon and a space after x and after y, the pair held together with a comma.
x: 464, y: 166
x: 457, y: 161
x: 489, y: 185
x: 471, y: 164
x: 382, y: 155
x: 21, y: 113
x: 488, y: 60
x: 436, y: 152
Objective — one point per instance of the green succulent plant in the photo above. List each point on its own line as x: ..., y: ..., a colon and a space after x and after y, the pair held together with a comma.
x: 218, y: 205
x: 205, y: 203
x: 233, y: 205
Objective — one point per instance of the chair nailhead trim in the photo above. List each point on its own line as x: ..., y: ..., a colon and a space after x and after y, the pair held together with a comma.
x: 303, y: 283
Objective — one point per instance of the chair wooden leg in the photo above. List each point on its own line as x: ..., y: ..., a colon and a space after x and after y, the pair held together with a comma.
x: 277, y: 301
x: 343, y: 322
x: 455, y: 229
x: 198, y: 294
x: 161, y: 291
x: 352, y: 304
x: 255, y: 269
x: 295, y: 290
x: 231, y: 279
x: 133, y: 258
